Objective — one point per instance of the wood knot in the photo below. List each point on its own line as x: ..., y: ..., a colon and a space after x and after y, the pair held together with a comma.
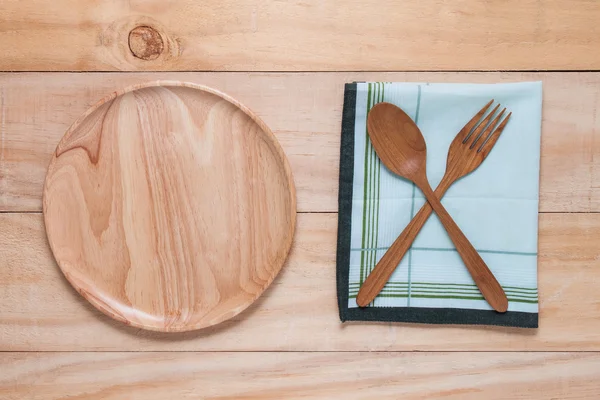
x: 138, y: 42
x: 146, y: 43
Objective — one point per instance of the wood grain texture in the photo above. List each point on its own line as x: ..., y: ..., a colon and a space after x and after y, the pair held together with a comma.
x: 169, y: 206
x: 304, y: 111
x: 448, y: 376
x: 464, y: 156
x: 245, y: 35
x: 39, y: 311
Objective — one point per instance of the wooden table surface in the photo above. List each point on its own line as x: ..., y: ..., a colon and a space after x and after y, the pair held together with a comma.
x: 288, y: 61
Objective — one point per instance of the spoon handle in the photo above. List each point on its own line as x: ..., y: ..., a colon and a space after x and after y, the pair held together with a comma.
x: 386, y: 266
x: 483, y: 277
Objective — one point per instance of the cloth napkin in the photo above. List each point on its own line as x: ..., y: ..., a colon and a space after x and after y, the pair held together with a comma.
x: 496, y: 206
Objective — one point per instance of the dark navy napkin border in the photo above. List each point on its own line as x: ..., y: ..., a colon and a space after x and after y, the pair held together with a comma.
x: 393, y: 314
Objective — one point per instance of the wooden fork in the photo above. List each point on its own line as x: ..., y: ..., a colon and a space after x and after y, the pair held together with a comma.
x: 465, y: 154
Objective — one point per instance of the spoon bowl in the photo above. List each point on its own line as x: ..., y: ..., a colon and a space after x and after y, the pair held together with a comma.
x: 398, y: 141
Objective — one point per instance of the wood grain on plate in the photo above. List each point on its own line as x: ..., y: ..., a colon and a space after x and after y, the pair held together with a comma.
x: 265, y: 35
x: 304, y: 111
x: 169, y: 206
x: 448, y: 376
x: 39, y: 311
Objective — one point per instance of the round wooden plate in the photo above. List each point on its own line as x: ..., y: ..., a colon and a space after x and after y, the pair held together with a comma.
x: 169, y: 206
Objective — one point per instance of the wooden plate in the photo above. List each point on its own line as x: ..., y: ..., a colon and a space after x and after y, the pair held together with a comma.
x: 169, y: 206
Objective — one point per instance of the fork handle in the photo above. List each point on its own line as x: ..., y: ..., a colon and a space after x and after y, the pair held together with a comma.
x: 384, y: 269
x: 483, y: 277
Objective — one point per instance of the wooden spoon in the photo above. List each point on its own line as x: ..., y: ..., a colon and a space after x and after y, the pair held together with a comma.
x: 401, y: 147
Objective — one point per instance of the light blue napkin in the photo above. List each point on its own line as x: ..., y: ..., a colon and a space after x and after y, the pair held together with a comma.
x: 496, y: 206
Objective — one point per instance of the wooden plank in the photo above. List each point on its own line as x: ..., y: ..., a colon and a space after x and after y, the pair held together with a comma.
x: 305, y: 111
x: 300, y: 375
x: 235, y: 35
x: 36, y: 110
x: 39, y: 311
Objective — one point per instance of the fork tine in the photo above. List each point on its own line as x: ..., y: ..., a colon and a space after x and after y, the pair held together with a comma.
x: 464, y: 132
x: 490, y: 129
x: 490, y: 141
x: 481, y: 127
